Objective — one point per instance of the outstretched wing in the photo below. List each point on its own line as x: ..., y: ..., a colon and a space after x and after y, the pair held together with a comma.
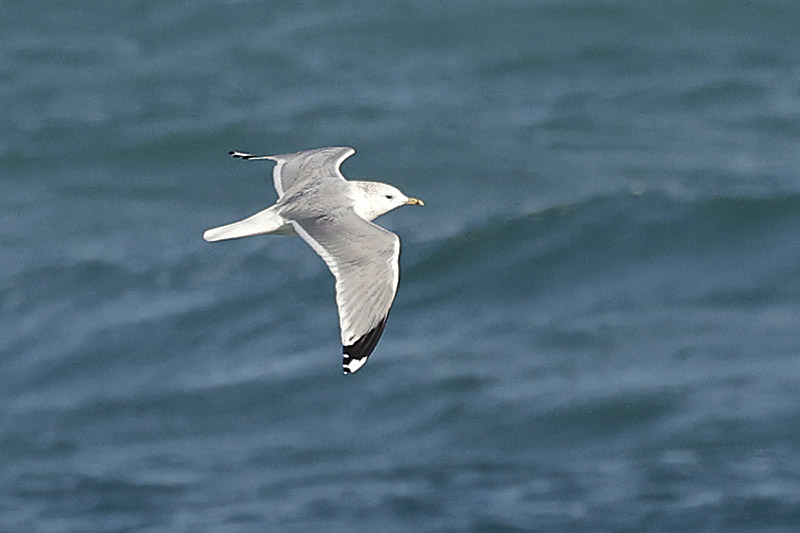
x: 302, y: 166
x: 363, y: 258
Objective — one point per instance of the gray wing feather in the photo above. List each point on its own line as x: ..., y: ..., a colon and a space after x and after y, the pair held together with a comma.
x: 293, y: 169
x: 363, y: 258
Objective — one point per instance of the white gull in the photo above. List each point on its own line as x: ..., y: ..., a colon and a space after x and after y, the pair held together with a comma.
x: 334, y: 216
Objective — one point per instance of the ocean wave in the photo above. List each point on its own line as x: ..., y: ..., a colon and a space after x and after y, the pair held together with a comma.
x: 613, y: 236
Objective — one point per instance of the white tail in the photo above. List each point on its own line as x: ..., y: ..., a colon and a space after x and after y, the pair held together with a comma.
x: 263, y: 222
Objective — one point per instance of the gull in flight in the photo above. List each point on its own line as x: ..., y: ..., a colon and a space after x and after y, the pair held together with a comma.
x: 334, y: 216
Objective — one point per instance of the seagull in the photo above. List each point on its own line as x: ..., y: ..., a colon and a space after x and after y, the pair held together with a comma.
x: 334, y: 216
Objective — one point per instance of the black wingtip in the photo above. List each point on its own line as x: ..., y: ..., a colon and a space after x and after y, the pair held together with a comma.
x: 356, y: 355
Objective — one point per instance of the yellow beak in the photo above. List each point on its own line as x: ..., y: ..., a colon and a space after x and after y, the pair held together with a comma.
x: 414, y: 201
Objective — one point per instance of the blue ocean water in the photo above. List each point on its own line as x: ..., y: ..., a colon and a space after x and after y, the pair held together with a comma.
x: 596, y: 327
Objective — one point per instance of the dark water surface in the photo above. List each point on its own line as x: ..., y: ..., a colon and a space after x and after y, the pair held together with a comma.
x: 597, y: 322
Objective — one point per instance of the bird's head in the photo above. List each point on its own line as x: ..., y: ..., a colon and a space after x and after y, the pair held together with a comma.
x: 380, y: 198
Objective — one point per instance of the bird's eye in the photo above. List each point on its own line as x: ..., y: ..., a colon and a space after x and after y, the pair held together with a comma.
x: 389, y: 196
